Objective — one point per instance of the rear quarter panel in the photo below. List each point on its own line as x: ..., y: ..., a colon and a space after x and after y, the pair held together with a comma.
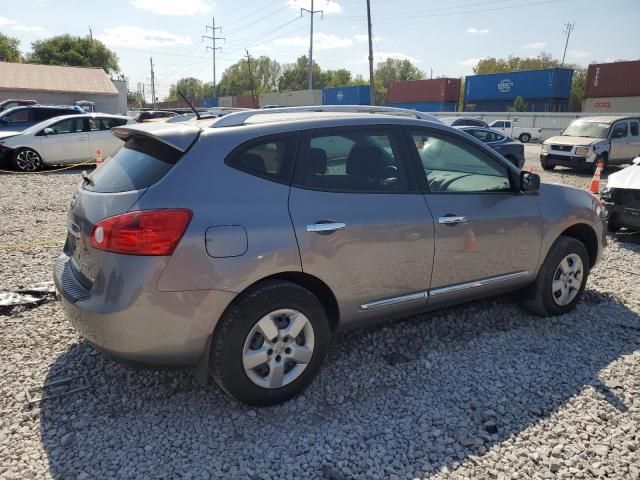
x: 220, y: 195
x: 562, y: 207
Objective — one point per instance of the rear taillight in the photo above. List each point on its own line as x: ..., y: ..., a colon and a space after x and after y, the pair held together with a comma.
x: 146, y: 232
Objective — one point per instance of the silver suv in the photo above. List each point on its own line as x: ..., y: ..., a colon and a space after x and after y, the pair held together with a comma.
x: 237, y: 246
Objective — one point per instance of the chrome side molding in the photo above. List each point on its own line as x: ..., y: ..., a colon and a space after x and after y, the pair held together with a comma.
x: 477, y: 283
x: 394, y: 300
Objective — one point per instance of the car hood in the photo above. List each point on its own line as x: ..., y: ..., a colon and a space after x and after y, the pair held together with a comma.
x: 566, y: 140
x: 7, y: 134
x: 626, y: 178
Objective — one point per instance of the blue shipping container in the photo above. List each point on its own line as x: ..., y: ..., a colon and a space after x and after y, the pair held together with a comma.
x: 531, y: 84
x: 209, y: 102
x: 354, y: 95
x: 428, y: 106
x: 532, y: 105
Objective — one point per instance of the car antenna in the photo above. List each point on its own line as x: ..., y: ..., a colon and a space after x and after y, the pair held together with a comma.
x: 188, y: 103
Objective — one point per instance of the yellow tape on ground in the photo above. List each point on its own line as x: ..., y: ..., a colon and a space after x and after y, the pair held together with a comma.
x: 27, y: 246
x: 16, y: 172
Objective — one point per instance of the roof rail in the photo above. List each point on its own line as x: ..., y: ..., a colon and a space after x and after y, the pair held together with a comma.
x: 239, y: 118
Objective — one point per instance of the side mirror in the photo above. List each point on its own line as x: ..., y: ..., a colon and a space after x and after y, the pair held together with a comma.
x: 529, y: 182
x: 49, y: 131
x: 636, y: 161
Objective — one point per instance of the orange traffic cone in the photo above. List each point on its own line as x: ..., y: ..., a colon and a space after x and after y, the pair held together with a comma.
x: 594, y: 186
x: 99, y: 159
x: 470, y: 244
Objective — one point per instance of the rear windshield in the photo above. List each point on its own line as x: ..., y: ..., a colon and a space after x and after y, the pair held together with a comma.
x: 140, y: 163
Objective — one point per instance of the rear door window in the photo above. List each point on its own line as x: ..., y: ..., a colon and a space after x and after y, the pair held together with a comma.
x: 634, y: 128
x: 18, y: 116
x: 268, y: 157
x: 139, y: 164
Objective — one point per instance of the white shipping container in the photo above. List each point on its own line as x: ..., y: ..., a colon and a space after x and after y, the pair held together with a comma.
x: 225, y: 101
x: 298, y: 98
x: 605, y: 105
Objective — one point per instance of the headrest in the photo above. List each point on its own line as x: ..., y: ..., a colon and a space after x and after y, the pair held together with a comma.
x: 365, y: 161
x: 317, y: 161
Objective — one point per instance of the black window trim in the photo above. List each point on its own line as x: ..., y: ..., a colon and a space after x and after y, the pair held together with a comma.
x: 397, y: 138
x: 291, y: 154
x: 486, y: 150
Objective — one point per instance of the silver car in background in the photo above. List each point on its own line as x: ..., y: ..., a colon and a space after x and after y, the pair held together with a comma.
x: 62, y: 140
x: 237, y: 246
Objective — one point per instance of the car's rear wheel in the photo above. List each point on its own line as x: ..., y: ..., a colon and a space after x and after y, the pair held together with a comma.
x: 26, y: 160
x: 271, y: 343
x: 524, y: 137
x: 561, y: 279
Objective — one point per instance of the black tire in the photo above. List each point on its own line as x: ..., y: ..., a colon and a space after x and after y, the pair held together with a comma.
x: 231, y: 334
x: 538, y: 297
x: 600, y: 158
x: 524, y: 138
x: 612, y: 225
x: 32, y: 162
x: 546, y: 166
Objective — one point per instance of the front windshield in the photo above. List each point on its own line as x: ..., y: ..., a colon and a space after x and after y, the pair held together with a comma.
x: 583, y: 128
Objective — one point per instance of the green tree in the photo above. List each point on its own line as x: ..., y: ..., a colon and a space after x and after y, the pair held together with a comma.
x: 578, y: 88
x: 189, y: 87
x: 336, y: 78
x: 294, y: 75
x: 236, y: 80
x: 134, y: 99
x: 393, y: 70
x: 10, y: 49
x: 74, y: 51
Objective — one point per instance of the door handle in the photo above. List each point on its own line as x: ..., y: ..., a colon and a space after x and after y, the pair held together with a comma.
x: 325, y: 227
x: 452, y: 220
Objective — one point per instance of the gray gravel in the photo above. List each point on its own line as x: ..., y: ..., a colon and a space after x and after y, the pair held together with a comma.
x: 483, y: 390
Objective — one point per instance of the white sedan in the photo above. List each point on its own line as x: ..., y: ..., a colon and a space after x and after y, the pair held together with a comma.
x: 62, y: 140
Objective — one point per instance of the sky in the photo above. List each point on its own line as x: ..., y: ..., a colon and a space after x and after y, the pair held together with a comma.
x: 443, y: 38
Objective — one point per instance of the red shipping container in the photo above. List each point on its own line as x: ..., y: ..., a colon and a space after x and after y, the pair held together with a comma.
x: 619, y: 79
x: 432, y: 90
x: 246, y: 101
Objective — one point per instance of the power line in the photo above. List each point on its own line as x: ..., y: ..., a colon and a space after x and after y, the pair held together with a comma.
x: 311, y: 12
x: 213, y: 48
x: 568, y: 28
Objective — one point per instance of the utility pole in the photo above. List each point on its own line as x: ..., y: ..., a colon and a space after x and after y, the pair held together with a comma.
x: 213, y: 47
x: 144, y: 96
x: 432, y: 74
x: 371, y: 85
x: 90, y: 34
x: 568, y: 28
x: 153, y: 85
x: 253, y: 90
x: 310, y: 71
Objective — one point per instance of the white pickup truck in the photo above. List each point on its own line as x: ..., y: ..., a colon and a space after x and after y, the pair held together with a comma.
x: 510, y: 129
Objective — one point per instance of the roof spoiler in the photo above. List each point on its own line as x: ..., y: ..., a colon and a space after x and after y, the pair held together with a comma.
x: 179, y: 136
x: 236, y: 119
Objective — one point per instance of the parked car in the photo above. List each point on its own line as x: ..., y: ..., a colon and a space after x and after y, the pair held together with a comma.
x: 464, y: 122
x: 10, y: 103
x: 18, y: 119
x: 151, y: 115
x: 239, y: 251
x: 511, y: 129
x: 590, y: 140
x: 621, y: 198
x: 61, y: 140
x: 505, y: 146
x: 209, y: 113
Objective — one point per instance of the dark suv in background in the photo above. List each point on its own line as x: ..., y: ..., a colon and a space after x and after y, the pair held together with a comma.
x: 18, y: 119
x: 13, y: 102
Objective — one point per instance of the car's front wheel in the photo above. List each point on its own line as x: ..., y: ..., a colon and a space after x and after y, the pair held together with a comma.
x: 271, y: 343
x: 546, y: 165
x: 561, y: 279
x: 26, y: 160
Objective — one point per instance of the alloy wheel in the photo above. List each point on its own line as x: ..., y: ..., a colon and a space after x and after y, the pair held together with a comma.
x: 567, y: 279
x: 28, y: 161
x: 278, y: 348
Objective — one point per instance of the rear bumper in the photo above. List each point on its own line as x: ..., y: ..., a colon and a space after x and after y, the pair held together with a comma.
x: 150, y: 327
x: 565, y: 160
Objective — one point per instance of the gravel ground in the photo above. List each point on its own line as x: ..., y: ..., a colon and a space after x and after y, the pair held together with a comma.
x: 483, y: 390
